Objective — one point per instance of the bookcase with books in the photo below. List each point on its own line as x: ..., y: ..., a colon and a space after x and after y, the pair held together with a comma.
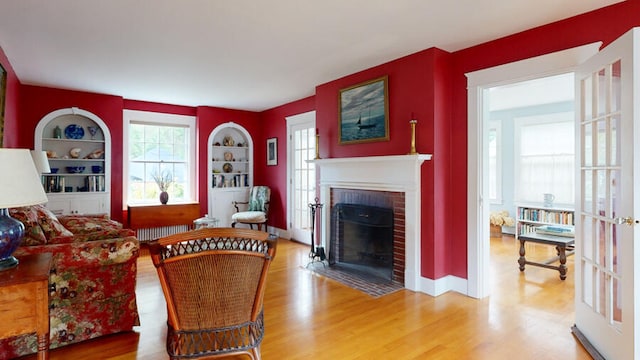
x: 230, y: 169
x: 78, y: 146
x: 557, y: 221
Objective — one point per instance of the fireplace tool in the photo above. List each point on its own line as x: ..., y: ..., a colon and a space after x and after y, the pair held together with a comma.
x: 317, y: 251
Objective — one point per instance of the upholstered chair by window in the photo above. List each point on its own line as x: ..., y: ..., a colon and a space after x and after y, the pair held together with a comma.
x: 257, y: 210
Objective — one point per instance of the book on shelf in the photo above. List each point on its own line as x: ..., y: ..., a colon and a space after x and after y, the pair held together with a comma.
x: 556, y: 230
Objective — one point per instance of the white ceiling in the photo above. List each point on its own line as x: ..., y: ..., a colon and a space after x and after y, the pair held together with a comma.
x: 243, y: 54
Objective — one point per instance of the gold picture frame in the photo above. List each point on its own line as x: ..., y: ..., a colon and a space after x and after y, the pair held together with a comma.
x: 364, y: 112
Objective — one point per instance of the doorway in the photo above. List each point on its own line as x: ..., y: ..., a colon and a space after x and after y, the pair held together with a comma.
x: 301, y: 187
x: 479, y: 205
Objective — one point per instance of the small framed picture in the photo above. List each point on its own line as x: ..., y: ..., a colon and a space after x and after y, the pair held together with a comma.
x: 272, y: 151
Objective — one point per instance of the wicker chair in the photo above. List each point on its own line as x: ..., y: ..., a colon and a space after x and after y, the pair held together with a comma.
x: 257, y: 208
x: 213, y: 281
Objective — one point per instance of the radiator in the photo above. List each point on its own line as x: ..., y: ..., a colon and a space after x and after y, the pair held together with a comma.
x: 158, y: 232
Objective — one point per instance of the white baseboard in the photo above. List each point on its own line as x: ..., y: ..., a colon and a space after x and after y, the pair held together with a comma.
x: 443, y: 285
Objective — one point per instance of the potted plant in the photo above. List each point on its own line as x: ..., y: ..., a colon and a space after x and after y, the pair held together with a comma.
x: 499, y: 218
x: 163, y: 179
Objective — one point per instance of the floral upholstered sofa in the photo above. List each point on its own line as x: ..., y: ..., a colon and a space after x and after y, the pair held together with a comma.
x: 92, y: 281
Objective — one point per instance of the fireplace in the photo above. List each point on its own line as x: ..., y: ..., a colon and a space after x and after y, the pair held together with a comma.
x: 362, y: 240
x: 372, y: 205
x: 396, y: 175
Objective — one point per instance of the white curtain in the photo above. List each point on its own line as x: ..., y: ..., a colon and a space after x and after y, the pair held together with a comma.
x: 545, y: 158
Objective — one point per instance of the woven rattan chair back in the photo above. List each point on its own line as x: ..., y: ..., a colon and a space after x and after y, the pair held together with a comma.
x: 213, y: 280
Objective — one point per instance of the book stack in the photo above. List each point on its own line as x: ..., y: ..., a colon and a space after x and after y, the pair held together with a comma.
x: 94, y: 183
x: 556, y: 230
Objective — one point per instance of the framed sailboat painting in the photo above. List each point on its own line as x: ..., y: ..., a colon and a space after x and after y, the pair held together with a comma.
x: 364, y: 112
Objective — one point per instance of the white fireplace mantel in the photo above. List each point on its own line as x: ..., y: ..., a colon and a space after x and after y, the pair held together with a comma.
x: 383, y: 173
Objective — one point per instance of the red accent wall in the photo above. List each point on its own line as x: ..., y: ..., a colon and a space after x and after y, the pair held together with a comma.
x: 418, y: 88
x: 430, y: 84
x: 606, y: 25
x: 274, y: 125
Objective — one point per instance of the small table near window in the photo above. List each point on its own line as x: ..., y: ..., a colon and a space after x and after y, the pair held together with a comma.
x: 24, y: 300
x: 206, y: 222
x: 560, y: 242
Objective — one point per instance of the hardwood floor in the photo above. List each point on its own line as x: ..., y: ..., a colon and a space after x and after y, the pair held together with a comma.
x: 528, y: 316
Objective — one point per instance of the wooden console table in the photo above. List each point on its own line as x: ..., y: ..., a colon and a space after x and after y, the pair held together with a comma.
x: 561, y: 243
x: 149, y: 216
x: 24, y: 300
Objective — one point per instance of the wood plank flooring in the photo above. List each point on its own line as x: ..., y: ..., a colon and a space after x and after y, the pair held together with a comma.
x: 528, y: 316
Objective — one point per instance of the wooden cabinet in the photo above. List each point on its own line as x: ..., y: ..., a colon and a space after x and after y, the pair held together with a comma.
x: 531, y: 217
x: 78, y: 144
x: 24, y: 300
x: 230, y: 169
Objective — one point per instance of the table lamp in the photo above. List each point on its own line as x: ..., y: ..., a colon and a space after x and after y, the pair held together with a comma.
x: 41, y: 161
x: 19, y: 186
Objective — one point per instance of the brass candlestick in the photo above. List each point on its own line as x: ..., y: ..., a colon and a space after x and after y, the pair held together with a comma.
x: 317, y: 146
x: 413, y: 137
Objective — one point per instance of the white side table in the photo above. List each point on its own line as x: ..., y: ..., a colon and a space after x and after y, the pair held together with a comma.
x: 205, y: 222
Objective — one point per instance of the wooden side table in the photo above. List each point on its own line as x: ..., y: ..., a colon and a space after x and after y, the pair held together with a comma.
x: 561, y: 243
x: 24, y: 300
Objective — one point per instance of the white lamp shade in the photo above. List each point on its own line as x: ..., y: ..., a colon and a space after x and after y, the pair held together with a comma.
x: 20, y: 182
x: 41, y: 161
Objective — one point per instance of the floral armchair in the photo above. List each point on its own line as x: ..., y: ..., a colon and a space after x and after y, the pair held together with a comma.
x: 92, y: 281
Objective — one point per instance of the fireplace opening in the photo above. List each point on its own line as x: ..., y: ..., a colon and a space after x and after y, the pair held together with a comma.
x: 361, y: 241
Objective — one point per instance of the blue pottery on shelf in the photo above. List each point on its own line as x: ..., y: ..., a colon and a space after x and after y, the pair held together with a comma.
x: 74, y: 131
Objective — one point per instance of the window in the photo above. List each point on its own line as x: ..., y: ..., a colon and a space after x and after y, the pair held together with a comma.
x: 545, y: 157
x: 495, y: 162
x: 159, y: 146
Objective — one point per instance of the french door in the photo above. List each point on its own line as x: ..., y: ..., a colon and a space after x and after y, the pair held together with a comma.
x: 301, y: 131
x: 608, y: 132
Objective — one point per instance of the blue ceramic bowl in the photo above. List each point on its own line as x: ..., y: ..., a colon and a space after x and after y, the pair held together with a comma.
x: 96, y: 169
x: 54, y: 170
x: 75, y: 169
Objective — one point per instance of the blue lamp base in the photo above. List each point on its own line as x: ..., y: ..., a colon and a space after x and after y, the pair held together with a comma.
x: 8, y: 263
x: 11, y: 231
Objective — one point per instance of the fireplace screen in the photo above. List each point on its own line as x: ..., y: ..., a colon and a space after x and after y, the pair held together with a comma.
x: 362, y: 240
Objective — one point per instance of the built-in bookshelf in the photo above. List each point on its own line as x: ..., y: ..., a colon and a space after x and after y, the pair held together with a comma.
x: 550, y: 220
x: 230, y: 169
x: 78, y: 146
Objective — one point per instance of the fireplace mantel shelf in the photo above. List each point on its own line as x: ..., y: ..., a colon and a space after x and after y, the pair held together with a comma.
x: 394, y: 158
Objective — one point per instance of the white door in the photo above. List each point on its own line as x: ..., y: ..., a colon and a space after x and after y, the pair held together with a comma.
x: 605, y: 272
x: 301, y: 146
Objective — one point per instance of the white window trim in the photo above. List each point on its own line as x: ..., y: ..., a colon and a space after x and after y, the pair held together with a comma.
x: 497, y: 125
x: 150, y: 117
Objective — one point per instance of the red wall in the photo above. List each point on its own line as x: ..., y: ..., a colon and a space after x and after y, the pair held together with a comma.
x: 605, y: 25
x: 274, y: 125
x: 430, y: 84
x: 418, y: 89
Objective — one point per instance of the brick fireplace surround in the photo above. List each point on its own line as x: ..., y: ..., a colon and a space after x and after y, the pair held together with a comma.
x: 385, y: 199
x: 389, y: 174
